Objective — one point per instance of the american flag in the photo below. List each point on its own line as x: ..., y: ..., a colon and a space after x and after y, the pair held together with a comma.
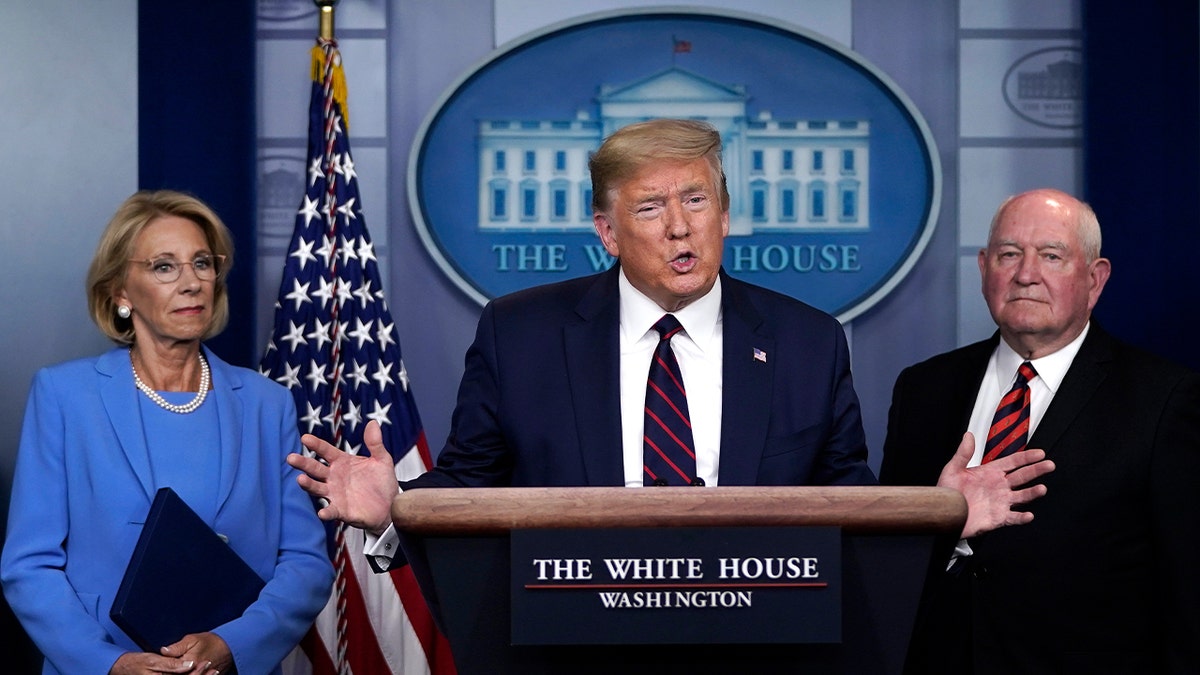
x: 335, y: 346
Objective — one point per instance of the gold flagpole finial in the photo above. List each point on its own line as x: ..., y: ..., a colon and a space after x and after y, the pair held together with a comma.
x: 326, y: 7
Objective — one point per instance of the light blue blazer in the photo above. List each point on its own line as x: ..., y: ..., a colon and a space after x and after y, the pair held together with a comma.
x: 82, y: 488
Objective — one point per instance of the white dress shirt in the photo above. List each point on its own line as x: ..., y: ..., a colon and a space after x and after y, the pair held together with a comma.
x: 698, y: 349
x: 999, y: 377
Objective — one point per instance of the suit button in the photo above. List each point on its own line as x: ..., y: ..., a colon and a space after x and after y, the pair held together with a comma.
x: 979, y: 572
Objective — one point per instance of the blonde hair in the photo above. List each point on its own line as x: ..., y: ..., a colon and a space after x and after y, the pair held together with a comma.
x: 111, y: 259
x: 631, y: 148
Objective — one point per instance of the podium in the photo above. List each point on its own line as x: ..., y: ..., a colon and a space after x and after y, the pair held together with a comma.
x: 458, y: 544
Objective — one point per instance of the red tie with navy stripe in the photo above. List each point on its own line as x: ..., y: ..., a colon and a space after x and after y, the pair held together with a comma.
x: 669, y: 455
x: 1010, y: 426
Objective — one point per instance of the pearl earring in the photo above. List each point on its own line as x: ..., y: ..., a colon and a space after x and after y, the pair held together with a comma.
x: 124, y: 311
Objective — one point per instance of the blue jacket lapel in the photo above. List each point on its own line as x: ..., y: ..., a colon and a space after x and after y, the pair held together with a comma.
x: 593, y: 352
x: 119, y: 395
x: 746, y: 389
x: 226, y: 383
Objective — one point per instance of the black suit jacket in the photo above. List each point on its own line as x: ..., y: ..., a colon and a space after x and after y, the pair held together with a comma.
x: 1102, y: 580
x: 539, y: 403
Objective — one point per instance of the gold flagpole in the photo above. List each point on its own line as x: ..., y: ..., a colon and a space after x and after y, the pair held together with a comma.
x: 326, y: 7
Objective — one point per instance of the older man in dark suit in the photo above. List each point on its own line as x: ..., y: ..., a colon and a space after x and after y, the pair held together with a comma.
x: 1099, y: 580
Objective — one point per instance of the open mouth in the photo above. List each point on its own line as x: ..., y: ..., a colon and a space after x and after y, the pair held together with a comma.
x: 684, y: 262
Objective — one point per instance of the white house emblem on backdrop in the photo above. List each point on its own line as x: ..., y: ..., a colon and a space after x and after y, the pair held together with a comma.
x: 791, y: 174
x: 1046, y: 87
x: 833, y: 177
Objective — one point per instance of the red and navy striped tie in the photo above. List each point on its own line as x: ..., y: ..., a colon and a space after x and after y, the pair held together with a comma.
x: 1010, y: 426
x: 669, y: 453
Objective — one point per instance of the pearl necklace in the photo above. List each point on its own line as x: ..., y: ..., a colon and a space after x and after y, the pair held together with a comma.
x: 205, y: 378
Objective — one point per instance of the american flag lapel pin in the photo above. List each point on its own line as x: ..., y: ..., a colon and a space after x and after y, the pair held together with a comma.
x: 760, y: 355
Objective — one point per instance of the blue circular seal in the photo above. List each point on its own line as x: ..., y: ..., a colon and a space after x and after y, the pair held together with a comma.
x: 833, y: 174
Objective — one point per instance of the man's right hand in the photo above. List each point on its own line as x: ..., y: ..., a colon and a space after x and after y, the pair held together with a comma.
x: 357, y: 490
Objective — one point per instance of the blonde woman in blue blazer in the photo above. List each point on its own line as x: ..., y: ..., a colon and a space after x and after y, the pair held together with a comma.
x: 102, y: 435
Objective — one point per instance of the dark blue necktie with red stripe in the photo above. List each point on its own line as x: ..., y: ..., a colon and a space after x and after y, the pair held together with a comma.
x: 1010, y: 425
x: 669, y: 453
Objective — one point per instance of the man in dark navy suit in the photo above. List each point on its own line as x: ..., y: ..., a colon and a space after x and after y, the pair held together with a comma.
x: 1101, y: 579
x: 555, y: 387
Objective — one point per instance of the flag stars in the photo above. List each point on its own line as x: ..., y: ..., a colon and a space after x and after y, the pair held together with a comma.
x: 346, y: 251
x: 316, y: 375
x: 358, y: 373
x: 320, y: 333
x: 304, y: 252
x: 343, y: 293
x: 295, y: 335
x: 299, y: 293
x: 291, y: 375
x: 324, y: 291
x: 326, y: 250
x: 312, y: 417
x: 347, y: 209
x: 330, y: 418
x: 363, y: 293
x: 309, y: 210
x: 383, y: 334
x: 366, y: 251
x: 314, y: 174
x: 335, y: 164
x: 403, y: 376
x: 383, y: 375
x: 361, y: 332
x: 353, y: 416
x: 348, y: 168
x: 381, y: 413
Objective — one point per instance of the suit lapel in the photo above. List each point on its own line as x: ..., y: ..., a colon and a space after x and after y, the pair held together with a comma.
x: 746, y: 386
x: 119, y: 395
x: 226, y: 386
x: 964, y: 390
x: 1086, y: 373
x: 593, y: 354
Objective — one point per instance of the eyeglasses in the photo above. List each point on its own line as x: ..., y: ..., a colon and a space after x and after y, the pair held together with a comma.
x: 167, y: 270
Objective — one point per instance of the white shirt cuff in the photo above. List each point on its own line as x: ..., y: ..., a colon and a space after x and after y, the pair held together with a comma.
x: 382, y: 548
x: 961, y: 550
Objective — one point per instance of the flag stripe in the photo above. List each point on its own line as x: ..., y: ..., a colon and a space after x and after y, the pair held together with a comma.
x: 318, y: 657
x: 362, y: 648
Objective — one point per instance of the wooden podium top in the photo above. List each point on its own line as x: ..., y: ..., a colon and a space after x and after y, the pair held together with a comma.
x: 486, y: 511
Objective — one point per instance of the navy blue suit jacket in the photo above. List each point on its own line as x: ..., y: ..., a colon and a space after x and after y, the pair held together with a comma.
x: 539, y: 402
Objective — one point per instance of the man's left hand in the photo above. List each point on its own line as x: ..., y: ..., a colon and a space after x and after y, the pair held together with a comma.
x: 992, y: 489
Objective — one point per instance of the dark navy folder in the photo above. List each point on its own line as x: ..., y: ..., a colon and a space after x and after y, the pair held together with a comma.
x: 182, y: 578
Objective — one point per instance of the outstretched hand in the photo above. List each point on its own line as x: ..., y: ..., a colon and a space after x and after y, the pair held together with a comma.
x: 358, y: 490
x: 992, y: 489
